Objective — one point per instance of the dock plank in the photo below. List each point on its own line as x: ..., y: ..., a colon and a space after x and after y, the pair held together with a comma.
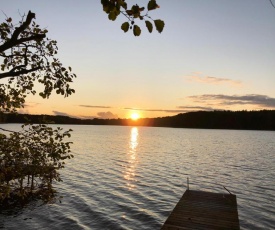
x: 204, y: 210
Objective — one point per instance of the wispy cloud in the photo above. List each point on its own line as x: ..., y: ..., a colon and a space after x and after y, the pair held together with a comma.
x: 96, y: 106
x: 263, y: 101
x: 205, y: 102
x: 179, y: 109
x: 87, y: 117
x: 58, y: 113
x: 145, y: 110
x: 102, y: 115
x: 195, y: 108
x: 198, y: 77
x: 31, y: 104
x: 107, y: 115
x: 28, y: 106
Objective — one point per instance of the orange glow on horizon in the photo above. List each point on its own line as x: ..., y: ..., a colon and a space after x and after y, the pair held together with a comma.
x: 135, y: 116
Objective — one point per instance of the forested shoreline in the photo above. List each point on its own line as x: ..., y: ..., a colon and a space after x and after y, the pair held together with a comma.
x: 243, y: 120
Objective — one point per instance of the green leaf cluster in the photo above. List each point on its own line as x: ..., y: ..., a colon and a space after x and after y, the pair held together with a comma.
x: 112, y: 8
x: 116, y: 7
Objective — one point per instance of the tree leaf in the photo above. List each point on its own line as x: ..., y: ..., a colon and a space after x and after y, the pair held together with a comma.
x: 136, y: 11
x: 159, y: 25
x: 123, y: 4
x: 129, y: 12
x: 125, y: 26
x: 149, y: 26
x: 112, y: 15
x: 106, y: 6
x: 152, y: 4
x: 136, y: 30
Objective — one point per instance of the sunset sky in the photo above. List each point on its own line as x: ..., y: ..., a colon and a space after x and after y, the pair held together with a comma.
x: 212, y: 54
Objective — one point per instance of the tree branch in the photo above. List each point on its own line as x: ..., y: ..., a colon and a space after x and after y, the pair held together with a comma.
x: 16, y: 67
x: 11, y: 56
x: 6, y: 130
x: 18, y: 73
x: 24, y: 26
x: 12, y: 43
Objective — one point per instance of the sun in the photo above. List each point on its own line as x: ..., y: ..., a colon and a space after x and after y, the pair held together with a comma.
x: 135, y: 116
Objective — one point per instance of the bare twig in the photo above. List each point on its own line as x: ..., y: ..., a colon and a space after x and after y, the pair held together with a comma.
x: 4, y: 13
x: 6, y: 130
x: 272, y: 3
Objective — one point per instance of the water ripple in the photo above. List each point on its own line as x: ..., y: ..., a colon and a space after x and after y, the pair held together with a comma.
x: 131, y: 178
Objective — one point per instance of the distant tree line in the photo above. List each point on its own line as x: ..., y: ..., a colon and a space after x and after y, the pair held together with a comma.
x: 246, y: 120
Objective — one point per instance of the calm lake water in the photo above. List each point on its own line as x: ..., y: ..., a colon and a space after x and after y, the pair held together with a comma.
x: 132, y: 177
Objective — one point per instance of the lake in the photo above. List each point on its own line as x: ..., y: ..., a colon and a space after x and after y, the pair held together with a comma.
x: 132, y: 177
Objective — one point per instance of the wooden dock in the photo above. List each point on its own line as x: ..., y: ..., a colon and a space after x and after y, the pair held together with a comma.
x: 204, y: 210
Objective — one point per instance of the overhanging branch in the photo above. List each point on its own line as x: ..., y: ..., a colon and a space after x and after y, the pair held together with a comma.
x: 24, y: 26
x: 18, y: 73
x: 12, y: 43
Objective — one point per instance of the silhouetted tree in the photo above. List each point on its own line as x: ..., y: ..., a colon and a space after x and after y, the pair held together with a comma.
x: 37, y: 151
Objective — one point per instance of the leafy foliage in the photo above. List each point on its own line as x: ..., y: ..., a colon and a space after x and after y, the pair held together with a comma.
x: 125, y: 26
x: 29, y: 159
x: 116, y: 7
x: 159, y: 25
x: 137, y: 30
x: 29, y: 57
x: 149, y: 26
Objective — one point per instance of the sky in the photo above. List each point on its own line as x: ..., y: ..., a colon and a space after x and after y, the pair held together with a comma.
x: 211, y: 55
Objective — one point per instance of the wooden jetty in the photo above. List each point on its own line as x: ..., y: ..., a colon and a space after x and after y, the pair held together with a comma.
x: 204, y: 210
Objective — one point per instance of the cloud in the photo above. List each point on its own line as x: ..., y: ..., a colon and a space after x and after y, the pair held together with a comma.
x: 145, y: 110
x: 107, y: 115
x: 23, y: 111
x: 188, y: 108
x: 182, y: 109
x: 197, y: 77
x: 154, y: 110
x: 96, y: 106
x: 28, y: 106
x: 87, y: 117
x: 31, y: 104
x: 263, y: 101
x: 57, y: 113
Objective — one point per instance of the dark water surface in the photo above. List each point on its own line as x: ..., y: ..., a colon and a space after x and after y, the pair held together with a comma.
x: 131, y: 178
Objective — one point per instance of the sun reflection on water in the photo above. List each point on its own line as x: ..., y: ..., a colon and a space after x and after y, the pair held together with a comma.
x: 130, y: 171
